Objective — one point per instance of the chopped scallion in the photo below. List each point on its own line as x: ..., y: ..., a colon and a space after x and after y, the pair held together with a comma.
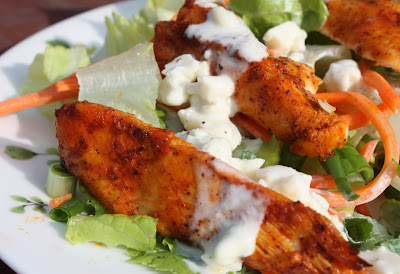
x: 335, y: 167
x: 59, y: 181
x: 68, y: 209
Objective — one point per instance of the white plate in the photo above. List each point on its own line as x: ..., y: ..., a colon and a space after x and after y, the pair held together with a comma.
x: 32, y: 242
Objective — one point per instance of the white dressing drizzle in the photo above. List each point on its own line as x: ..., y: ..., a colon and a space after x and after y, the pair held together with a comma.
x: 225, y: 228
x: 224, y: 27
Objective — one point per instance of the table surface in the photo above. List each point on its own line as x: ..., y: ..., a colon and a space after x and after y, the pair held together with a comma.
x: 22, y: 18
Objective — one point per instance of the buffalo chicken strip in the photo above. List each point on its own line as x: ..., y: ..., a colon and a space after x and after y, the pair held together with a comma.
x: 370, y: 28
x: 134, y: 168
x: 273, y: 92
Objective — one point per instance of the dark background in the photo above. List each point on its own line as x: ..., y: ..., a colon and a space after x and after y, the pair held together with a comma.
x: 22, y: 18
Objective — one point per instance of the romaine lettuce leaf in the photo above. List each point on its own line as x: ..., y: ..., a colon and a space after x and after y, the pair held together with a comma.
x: 137, y: 232
x: 55, y: 64
x: 160, y: 10
x: 261, y: 15
x: 250, y: 149
x: 390, y: 210
x: 128, y: 82
x: 160, y: 260
x: 123, y: 34
x: 164, y: 258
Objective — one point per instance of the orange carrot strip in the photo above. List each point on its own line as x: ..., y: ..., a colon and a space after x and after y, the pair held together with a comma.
x: 62, y: 90
x: 358, y: 119
x: 389, y: 170
x: 363, y: 209
x: 368, y: 149
x: 378, y: 82
x: 56, y: 202
x: 335, y: 212
x: 355, y: 119
x: 322, y: 181
x: 250, y: 126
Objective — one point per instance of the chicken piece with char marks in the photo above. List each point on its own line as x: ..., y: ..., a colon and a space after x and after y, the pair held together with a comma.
x: 134, y: 168
x: 370, y: 28
x: 274, y: 92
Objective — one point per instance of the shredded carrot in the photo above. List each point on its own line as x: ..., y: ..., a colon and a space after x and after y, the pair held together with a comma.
x: 323, y: 181
x: 358, y: 119
x: 363, y: 209
x: 355, y: 119
x: 56, y: 202
x: 376, y: 81
x: 62, y: 90
x: 336, y: 213
x: 250, y: 126
x: 368, y: 149
x: 391, y: 146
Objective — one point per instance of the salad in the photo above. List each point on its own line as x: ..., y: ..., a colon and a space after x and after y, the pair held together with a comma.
x: 352, y: 166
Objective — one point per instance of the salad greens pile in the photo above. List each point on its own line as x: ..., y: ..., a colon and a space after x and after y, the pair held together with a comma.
x: 138, y: 233
x: 262, y: 15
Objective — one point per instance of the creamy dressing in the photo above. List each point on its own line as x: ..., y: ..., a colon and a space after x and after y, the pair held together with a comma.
x: 382, y: 259
x: 222, y: 226
x: 224, y: 27
x: 344, y: 75
x: 296, y: 186
x: 287, y: 38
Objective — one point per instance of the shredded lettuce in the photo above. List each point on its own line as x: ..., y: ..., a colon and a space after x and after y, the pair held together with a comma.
x: 160, y: 10
x: 127, y: 82
x: 137, y: 232
x: 390, y: 210
x: 160, y: 260
x: 261, y: 15
x: 251, y: 149
x: 56, y: 63
x: 123, y: 34
x: 93, y: 206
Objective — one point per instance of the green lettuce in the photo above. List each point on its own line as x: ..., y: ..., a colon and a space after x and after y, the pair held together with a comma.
x: 250, y: 149
x: 123, y: 34
x: 55, y: 64
x: 160, y: 260
x: 136, y: 232
x: 93, y: 206
x: 160, y: 10
x: 164, y: 258
x: 261, y: 15
x: 127, y: 82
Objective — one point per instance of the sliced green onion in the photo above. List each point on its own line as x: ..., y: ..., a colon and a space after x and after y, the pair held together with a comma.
x: 358, y: 230
x: 335, y: 167
x: 364, y: 232
x: 68, y: 209
x: 93, y: 206
x: 290, y: 159
x: 59, y: 181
